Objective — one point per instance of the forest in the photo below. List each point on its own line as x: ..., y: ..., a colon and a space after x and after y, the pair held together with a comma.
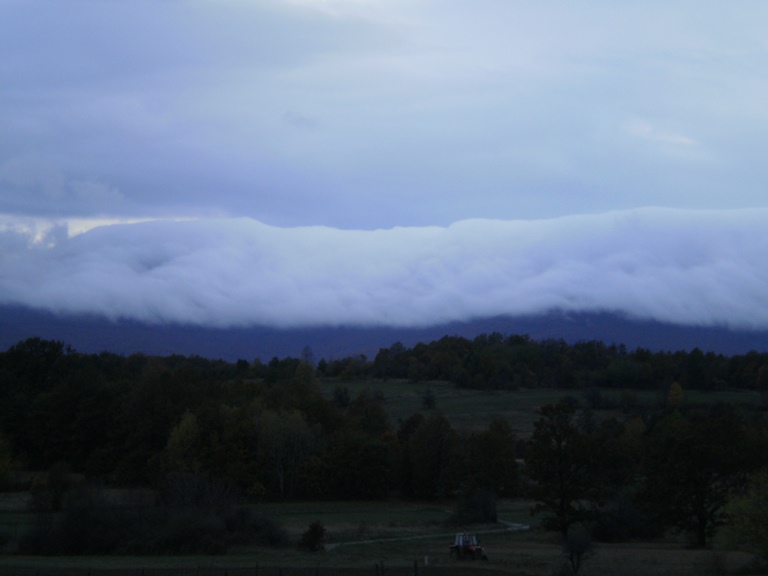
x: 190, y: 428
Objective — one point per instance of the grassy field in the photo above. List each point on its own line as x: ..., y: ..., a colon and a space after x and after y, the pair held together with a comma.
x: 469, y: 409
x: 364, y: 536
x: 475, y: 409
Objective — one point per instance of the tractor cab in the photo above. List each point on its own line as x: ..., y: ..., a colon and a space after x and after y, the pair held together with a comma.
x: 467, y: 546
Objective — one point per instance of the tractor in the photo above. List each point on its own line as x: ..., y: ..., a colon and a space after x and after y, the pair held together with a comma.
x: 466, y: 546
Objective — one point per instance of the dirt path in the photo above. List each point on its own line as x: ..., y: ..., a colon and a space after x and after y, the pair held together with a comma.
x: 448, y: 536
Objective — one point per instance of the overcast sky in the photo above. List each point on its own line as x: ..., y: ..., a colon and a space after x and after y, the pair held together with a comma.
x: 303, y: 162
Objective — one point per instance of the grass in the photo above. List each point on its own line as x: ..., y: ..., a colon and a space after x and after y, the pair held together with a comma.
x: 397, y: 533
x: 359, y: 534
x: 464, y: 408
x: 476, y: 409
x: 352, y: 521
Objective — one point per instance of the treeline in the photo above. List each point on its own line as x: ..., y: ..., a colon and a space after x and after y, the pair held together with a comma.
x: 507, y: 363
x: 183, y: 425
x: 142, y: 421
x: 691, y: 469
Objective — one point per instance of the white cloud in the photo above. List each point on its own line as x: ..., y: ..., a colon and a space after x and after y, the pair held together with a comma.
x: 42, y: 187
x: 688, y: 267
x: 643, y: 129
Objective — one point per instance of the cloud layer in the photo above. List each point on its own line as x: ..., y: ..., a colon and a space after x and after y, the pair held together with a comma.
x: 380, y: 113
x: 687, y: 267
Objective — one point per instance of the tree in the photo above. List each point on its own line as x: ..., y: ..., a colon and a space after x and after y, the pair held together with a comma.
x: 428, y: 400
x: 182, y: 452
x: 577, y: 547
x: 561, y: 464
x: 433, y: 458
x: 491, y: 462
x: 285, y: 441
x: 362, y: 452
x: 6, y: 460
x: 341, y: 397
x: 676, y: 396
x: 360, y: 464
x: 693, y: 463
x: 305, y: 374
x: 312, y: 539
x: 307, y: 355
x: 749, y: 514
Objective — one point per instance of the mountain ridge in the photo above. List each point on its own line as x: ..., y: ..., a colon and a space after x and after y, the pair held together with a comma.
x: 91, y: 334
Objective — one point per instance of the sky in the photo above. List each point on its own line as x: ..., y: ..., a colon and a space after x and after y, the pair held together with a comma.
x: 384, y: 162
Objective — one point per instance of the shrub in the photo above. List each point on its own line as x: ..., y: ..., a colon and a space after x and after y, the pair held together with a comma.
x: 102, y: 531
x: 93, y: 531
x: 194, y: 532
x: 312, y: 539
x: 621, y: 522
x: 246, y: 526
x: 5, y: 538
x: 37, y: 541
x: 341, y: 397
x: 79, y: 532
x: 577, y: 547
x: 428, y: 400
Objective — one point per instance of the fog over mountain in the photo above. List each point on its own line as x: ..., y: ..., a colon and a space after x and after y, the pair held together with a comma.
x: 90, y: 334
x: 305, y: 165
x: 700, y: 268
x: 705, y: 269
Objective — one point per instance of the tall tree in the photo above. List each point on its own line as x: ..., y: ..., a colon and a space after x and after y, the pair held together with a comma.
x: 693, y: 463
x: 362, y: 453
x: 433, y: 452
x: 491, y: 460
x: 749, y: 514
x: 285, y: 441
x: 183, y: 450
x: 562, y: 465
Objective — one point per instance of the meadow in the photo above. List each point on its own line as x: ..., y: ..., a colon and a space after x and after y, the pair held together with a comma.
x: 400, y: 538
x: 397, y: 537
x: 469, y: 409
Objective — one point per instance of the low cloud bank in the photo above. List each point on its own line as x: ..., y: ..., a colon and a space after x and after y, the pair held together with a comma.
x: 685, y: 267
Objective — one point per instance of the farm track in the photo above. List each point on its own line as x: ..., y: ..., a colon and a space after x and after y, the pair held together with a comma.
x: 510, y: 527
x: 461, y: 568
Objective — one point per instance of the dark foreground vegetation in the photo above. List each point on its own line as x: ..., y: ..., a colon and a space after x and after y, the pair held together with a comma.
x: 207, y: 440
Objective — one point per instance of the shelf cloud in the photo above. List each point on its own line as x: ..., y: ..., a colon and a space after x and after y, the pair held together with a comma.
x: 386, y: 162
x: 685, y: 267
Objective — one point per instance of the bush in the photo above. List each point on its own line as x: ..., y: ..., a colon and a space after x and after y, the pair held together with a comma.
x: 341, y: 397
x: 577, y: 547
x: 312, y: 539
x: 93, y: 531
x: 246, y: 526
x: 5, y: 538
x: 622, y: 522
x: 102, y: 531
x: 194, y: 532
x: 428, y: 400
x: 80, y: 532
x: 36, y: 541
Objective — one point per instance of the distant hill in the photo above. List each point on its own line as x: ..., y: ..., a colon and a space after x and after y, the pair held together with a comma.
x: 90, y: 334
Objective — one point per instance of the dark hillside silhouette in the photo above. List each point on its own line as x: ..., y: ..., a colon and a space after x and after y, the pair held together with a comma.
x: 95, y: 334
